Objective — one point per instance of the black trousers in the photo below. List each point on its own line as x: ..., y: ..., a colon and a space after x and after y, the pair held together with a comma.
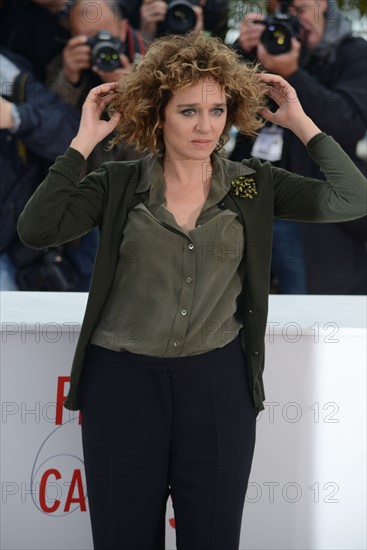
x: 152, y: 427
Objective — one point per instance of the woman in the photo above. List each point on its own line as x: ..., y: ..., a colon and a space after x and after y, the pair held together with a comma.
x: 172, y: 343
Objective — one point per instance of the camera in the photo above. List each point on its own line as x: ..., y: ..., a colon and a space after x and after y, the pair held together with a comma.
x: 106, y: 51
x: 180, y: 18
x: 280, y: 29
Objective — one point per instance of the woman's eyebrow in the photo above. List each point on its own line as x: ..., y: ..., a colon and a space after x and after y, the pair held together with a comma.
x: 197, y: 104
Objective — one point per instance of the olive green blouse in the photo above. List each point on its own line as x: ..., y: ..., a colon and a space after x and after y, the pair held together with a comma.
x: 175, y: 293
x: 67, y: 205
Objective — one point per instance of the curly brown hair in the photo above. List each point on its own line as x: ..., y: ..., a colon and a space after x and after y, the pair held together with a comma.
x: 177, y: 61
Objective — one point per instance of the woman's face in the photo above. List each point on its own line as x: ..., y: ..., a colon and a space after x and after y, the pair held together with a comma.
x: 194, y: 119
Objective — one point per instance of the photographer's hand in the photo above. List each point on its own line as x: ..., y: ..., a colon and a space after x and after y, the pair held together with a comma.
x: 250, y: 32
x: 199, y: 26
x: 284, y: 64
x: 290, y: 113
x: 152, y: 12
x: 76, y: 58
x: 92, y: 129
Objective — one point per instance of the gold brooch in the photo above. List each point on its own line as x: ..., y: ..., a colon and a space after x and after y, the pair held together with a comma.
x: 244, y: 187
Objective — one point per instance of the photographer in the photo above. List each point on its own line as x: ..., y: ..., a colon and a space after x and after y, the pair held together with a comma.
x: 326, y: 66
x: 81, y: 67
x: 78, y: 70
x: 151, y: 17
x: 155, y: 17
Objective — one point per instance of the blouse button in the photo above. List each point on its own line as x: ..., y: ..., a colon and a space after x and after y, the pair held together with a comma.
x: 250, y: 312
x: 183, y: 312
x: 188, y: 280
x: 176, y: 343
x: 255, y: 353
x: 191, y: 246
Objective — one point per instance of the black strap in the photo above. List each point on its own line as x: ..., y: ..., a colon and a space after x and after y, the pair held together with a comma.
x: 18, y: 97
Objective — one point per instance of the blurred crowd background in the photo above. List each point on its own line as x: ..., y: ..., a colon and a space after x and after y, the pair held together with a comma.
x: 52, y: 52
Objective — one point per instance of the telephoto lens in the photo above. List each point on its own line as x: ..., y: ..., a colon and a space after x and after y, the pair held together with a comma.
x: 277, y: 38
x: 280, y: 28
x: 180, y: 18
x: 106, y: 51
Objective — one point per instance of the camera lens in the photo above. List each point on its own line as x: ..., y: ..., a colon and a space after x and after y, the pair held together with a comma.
x: 106, y: 51
x: 106, y: 57
x: 277, y: 38
x: 180, y: 18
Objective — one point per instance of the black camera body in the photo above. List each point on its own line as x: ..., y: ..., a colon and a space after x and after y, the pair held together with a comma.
x: 106, y: 51
x: 180, y: 17
x: 280, y: 29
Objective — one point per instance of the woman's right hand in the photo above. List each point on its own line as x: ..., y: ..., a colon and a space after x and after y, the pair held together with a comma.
x: 290, y: 113
x: 92, y: 129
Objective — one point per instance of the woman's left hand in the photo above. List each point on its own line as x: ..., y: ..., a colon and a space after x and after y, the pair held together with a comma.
x: 289, y: 113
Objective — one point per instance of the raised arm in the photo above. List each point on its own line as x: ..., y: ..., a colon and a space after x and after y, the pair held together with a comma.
x: 66, y: 205
x: 342, y: 197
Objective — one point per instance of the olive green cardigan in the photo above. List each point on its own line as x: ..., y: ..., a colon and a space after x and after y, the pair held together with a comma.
x: 65, y: 207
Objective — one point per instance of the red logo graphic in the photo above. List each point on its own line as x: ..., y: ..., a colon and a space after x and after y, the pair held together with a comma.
x: 76, y: 486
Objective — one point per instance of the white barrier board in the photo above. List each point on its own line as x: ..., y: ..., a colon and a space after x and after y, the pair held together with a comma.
x: 307, y: 487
